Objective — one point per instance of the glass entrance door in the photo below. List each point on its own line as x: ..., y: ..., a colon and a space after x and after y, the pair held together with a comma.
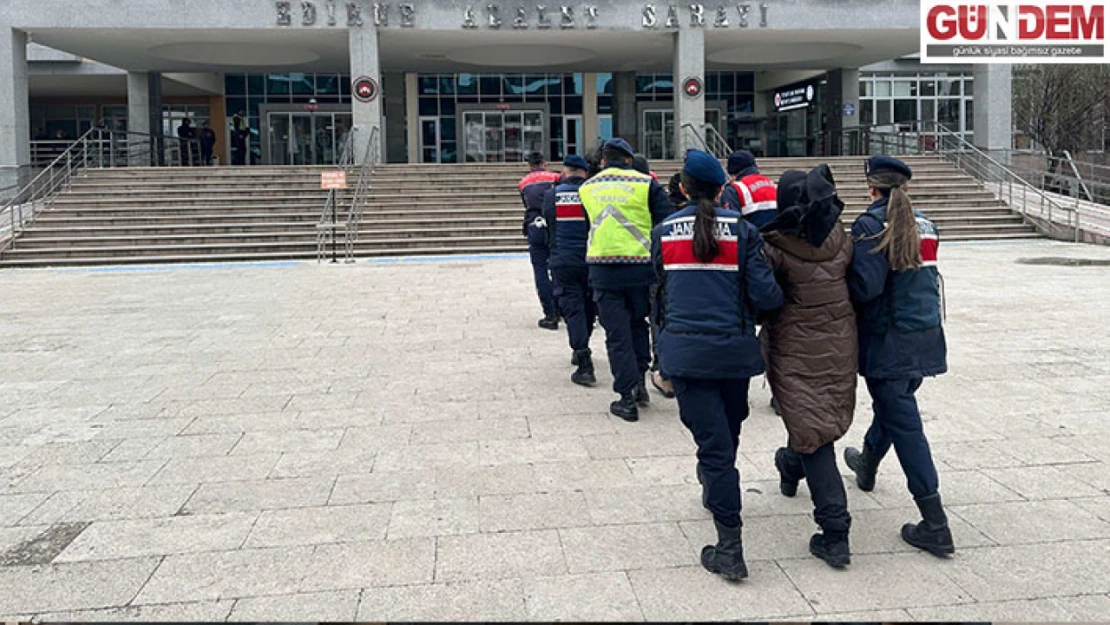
x: 658, y: 139
x: 502, y: 136
x: 306, y: 138
x: 429, y: 140
x: 572, y: 135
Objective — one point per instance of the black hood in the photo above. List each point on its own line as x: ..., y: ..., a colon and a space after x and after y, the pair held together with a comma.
x: 808, y: 205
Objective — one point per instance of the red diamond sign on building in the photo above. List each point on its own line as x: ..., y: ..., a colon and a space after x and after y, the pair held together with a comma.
x: 365, y: 89
x: 692, y: 87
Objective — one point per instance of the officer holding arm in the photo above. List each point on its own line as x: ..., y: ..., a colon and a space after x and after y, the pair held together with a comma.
x: 532, y: 189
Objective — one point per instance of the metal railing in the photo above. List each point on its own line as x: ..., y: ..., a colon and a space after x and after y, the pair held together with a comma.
x: 692, y: 132
x: 329, y: 216
x: 362, y: 190
x: 708, y: 139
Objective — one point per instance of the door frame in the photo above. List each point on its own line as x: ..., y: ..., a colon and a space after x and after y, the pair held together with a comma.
x: 264, y: 111
x: 420, y: 137
x: 579, y: 140
x: 721, y: 106
x: 519, y: 107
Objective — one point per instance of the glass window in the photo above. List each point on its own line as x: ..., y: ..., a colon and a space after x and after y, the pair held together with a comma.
x: 277, y: 84
x: 728, y: 82
x: 713, y: 84
x: 427, y: 106
x: 905, y: 88
x: 256, y: 84
x: 929, y: 110
x: 576, y: 86
x: 327, y: 84
x: 489, y: 85
x: 573, y: 106
x: 235, y: 84
x: 928, y: 87
x: 428, y: 85
x: 446, y: 84
x: 467, y: 84
x: 604, y: 83
x: 745, y: 82
x: 948, y: 113
x: 303, y: 84
x: 644, y: 83
x: 882, y: 112
x: 234, y: 105
x: 867, y: 112
x: 745, y: 104
x: 969, y: 86
x: 969, y: 116
x: 344, y: 85
x: 866, y: 88
x: 447, y: 128
x: 514, y: 84
x: 882, y: 88
x: 905, y: 111
x: 554, y: 84
x: 949, y: 87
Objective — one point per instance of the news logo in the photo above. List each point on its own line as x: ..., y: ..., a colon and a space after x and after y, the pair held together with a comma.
x: 993, y: 31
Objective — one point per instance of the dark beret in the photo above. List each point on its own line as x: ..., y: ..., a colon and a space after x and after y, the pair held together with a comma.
x: 705, y: 167
x: 620, y: 145
x: 886, y: 165
x: 575, y: 161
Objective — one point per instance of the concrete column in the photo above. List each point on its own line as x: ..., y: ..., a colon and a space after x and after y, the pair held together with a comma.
x: 363, y: 43
x: 624, y: 107
x: 841, y: 88
x: 144, y: 115
x: 689, y: 62
x: 589, y: 113
x: 993, y: 107
x: 412, y: 113
x: 395, y: 138
x: 15, y: 116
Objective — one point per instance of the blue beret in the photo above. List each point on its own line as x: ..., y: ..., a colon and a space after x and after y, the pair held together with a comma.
x: 620, y: 145
x: 886, y: 165
x: 705, y: 167
x: 575, y: 161
x: 740, y: 160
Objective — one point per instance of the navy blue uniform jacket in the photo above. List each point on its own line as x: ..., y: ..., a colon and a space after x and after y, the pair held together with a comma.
x: 614, y: 276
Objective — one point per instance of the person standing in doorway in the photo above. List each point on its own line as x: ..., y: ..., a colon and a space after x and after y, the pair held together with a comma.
x: 240, y: 135
x: 187, y: 136
x: 715, y: 281
x: 895, y: 285
x: 207, y: 143
x: 532, y: 189
x: 622, y: 205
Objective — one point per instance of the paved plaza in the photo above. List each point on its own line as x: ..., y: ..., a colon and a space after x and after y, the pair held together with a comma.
x: 399, y: 441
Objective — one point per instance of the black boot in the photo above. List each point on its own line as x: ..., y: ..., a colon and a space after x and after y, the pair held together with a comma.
x: 641, y: 394
x: 864, y: 464
x: 932, y: 533
x: 625, y: 408
x: 574, y: 358
x: 832, y: 547
x: 790, y: 471
x: 726, y: 558
x: 584, y: 376
x: 549, y: 322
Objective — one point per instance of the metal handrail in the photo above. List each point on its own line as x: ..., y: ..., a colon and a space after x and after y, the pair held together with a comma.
x: 362, y: 189
x: 1075, y: 170
x: 723, y: 149
x: 329, y: 216
x: 691, y: 129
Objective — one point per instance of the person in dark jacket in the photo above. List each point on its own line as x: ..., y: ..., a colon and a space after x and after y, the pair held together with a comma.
x: 810, y: 348
x: 187, y: 136
x: 622, y: 205
x: 567, y: 230
x: 894, y: 284
x: 715, y: 280
x: 532, y: 189
x: 749, y: 193
x: 240, y: 139
x: 207, y: 143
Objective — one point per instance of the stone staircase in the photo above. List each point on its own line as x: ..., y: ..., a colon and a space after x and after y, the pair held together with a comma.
x: 170, y: 215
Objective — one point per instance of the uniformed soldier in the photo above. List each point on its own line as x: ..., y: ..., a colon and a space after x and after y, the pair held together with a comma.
x: 715, y: 280
x: 749, y: 193
x: 622, y: 205
x: 894, y: 284
x: 532, y: 189
x: 567, y: 233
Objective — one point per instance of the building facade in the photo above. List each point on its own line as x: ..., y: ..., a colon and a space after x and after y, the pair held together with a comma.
x: 450, y: 81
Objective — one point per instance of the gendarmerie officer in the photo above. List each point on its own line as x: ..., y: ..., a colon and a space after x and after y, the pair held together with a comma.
x: 532, y: 189
x: 749, y: 193
x: 567, y: 233
x: 715, y: 280
x: 894, y: 283
x: 622, y: 205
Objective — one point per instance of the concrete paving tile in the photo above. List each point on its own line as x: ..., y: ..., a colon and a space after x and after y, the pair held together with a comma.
x: 956, y: 488
x: 383, y: 487
x: 194, y: 446
x: 112, y: 504
x: 563, y: 426
x: 454, y: 482
x: 867, y: 616
x: 324, y: 463
x: 13, y: 454
x: 310, y: 526
x: 501, y: 513
x: 1091, y: 608
x: 427, y: 457
x: 765, y: 538
x: 376, y: 437
x: 470, y: 431
x: 54, y: 478
x: 1043, y: 482
x: 486, y: 600
x: 324, y: 419
x: 624, y: 547
x: 582, y: 475
x: 335, y: 607
x: 14, y: 507
x: 216, y: 497
x: 13, y: 536
x: 83, y: 452
x: 646, y: 504
x: 227, y: 406
x: 1097, y: 474
x: 1099, y: 506
x: 1040, y: 451
x: 592, y: 597
x: 921, y: 581
x: 973, y: 455
x: 288, y: 441
x: 111, y: 540
x: 530, y: 451
x: 691, y: 593
x: 197, y: 611
x: 226, y: 575
x: 665, y: 470
x: 322, y: 401
x: 245, y: 422
x: 142, y: 428
x: 202, y: 470
x: 880, y: 531
x: 1022, y: 571
x: 1034, y: 521
x: 434, y: 517
x: 638, y: 445
x: 369, y: 564
x: 75, y: 586
x: 499, y: 556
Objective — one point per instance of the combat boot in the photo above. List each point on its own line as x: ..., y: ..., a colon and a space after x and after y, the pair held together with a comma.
x: 640, y: 394
x: 726, y: 558
x: 574, y: 358
x: 832, y: 547
x: 790, y: 471
x: 584, y: 376
x: 932, y: 533
x: 549, y: 322
x: 864, y: 464
x: 625, y: 408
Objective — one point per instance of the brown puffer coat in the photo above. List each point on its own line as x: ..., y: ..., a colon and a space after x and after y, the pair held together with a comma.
x: 810, y: 346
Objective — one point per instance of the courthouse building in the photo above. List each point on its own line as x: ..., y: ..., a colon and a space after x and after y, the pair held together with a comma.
x: 455, y: 81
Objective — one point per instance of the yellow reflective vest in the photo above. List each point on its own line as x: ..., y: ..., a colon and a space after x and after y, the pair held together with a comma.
x: 616, y: 203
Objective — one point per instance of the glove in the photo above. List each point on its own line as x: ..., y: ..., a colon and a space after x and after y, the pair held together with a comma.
x: 539, y: 222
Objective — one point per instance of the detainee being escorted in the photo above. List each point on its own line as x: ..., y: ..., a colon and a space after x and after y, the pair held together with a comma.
x: 622, y: 205
x: 810, y: 349
x: 715, y: 281
x: 895, y: 285
x: 567, y: 231
x: 532, y: 189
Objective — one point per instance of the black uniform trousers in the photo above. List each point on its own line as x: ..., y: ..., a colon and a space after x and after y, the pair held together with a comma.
x: 576, y: 303
x: 540, y: 253
x: 713, y: 410
x: 826, y: 488
x: 897, y: 422
x: 623, y: 313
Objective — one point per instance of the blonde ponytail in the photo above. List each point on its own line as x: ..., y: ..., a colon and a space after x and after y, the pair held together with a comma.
x: 900, y: 240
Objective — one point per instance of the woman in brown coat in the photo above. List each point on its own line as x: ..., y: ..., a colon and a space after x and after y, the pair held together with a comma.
x: 810, y: 348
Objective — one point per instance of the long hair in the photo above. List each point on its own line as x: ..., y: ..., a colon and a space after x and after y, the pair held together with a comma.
x: 705, y: 219
x: 900, y: 240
